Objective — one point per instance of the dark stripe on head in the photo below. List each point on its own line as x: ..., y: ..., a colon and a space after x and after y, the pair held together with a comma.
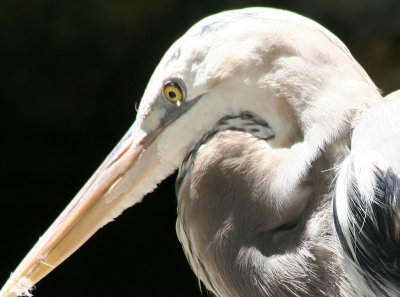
x: 214, y: 26
x: 175, y: 55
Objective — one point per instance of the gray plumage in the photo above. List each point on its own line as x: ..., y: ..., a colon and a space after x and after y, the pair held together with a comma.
x: 239, y: 244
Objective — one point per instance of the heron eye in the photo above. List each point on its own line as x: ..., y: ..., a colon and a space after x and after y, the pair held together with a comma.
x: 173, y: 92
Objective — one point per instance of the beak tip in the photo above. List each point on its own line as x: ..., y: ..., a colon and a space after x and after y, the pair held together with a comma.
x: 15, y: 288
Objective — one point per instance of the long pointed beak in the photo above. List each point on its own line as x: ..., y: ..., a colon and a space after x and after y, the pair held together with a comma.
x: 116, y: 185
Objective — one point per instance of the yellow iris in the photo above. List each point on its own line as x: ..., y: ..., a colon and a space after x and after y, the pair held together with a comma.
x: 173, y: 92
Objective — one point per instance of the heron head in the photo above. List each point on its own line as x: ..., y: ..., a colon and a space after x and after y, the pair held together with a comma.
x: 263, y: 61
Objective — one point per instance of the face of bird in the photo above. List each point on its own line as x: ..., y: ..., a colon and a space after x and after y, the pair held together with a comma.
x: 226, y: 64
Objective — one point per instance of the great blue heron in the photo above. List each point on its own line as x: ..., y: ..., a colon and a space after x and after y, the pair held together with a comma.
x: 257, y: 107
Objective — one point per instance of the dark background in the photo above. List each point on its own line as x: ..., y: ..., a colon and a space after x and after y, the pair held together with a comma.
x: 70, y: 75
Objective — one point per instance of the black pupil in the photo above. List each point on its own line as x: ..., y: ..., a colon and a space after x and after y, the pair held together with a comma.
x: 172, y: 94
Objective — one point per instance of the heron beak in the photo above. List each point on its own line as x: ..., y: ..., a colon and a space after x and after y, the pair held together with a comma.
x: 111, y: 189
